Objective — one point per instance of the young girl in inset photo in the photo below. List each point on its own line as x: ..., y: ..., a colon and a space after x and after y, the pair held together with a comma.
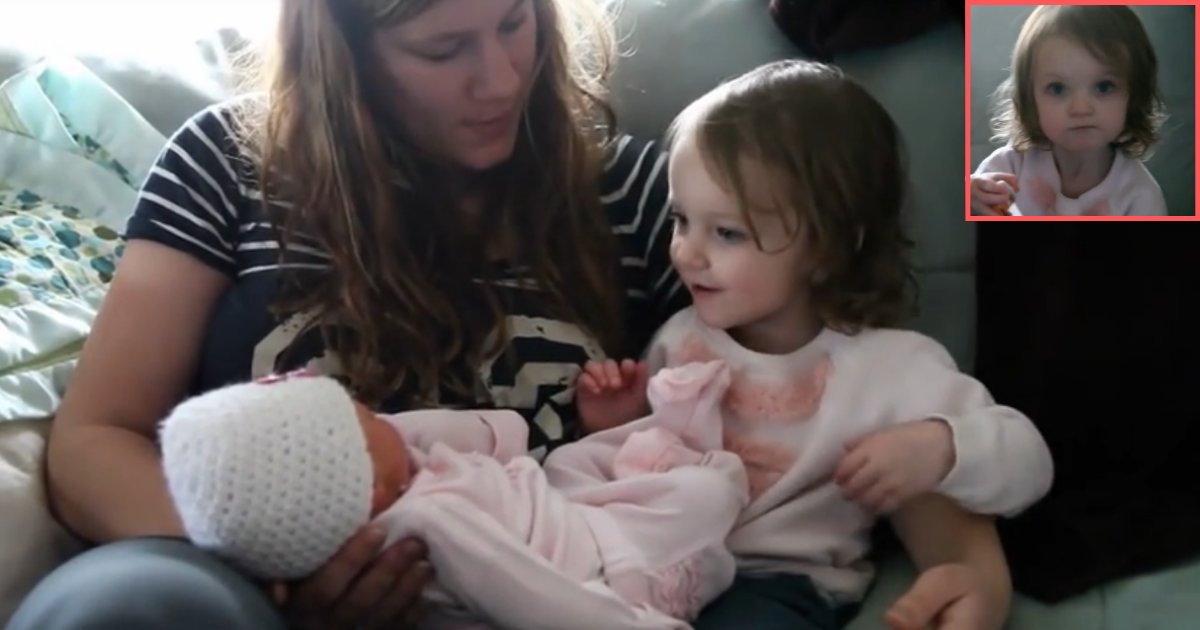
x: 787, y: 190
x: 1078, y: 114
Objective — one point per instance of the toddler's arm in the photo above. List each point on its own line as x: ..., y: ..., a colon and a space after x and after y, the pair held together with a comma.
x: 883, y: 470
x: 1001, y: 464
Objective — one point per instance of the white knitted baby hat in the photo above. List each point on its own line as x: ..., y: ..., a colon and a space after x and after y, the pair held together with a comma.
x: 273, y: 475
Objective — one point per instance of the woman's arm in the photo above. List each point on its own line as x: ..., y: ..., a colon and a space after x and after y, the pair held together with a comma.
x: 964, y: 581
x: 103, y: 471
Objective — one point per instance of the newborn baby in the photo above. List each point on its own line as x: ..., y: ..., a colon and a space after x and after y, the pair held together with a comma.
x: 622, y: 529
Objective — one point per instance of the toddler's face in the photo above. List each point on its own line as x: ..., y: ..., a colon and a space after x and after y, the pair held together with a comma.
x: 1081, y: 102
x: 734, y: 284
x: 389, y: 456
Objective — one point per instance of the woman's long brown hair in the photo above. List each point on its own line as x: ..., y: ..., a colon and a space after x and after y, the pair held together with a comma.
x: 402, y: 305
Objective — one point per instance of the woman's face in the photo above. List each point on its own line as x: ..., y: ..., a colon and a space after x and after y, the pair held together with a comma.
x: 458, y: 75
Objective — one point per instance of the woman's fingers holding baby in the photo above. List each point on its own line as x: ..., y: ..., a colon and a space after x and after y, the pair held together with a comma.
x: 314, y: 602
x: 400, y: 606
x: 358, y: 584
x: 376, y: 594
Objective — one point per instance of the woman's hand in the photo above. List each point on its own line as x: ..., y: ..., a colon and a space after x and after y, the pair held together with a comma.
x: 360, y: 587
x: 992, y: 193
x: 947, y: 597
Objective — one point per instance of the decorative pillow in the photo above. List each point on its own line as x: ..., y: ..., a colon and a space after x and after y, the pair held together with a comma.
x: 55, y: 267
x: 72, y: 154
x: 167, y: 73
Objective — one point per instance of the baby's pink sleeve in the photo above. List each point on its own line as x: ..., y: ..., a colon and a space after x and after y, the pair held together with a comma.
x: 502, y: 434
x: 653, y: 450
x: 499, y: 579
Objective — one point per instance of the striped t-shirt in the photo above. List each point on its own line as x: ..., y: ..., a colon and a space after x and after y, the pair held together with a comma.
x: 203, y: 198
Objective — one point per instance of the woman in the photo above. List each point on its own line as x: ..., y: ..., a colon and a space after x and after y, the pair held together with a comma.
x: 430, y: 169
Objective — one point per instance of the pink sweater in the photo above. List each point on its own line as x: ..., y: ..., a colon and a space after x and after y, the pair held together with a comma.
x: 622, y: 529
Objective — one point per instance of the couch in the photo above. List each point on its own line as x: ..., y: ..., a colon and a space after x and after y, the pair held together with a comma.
x: 675, y: 50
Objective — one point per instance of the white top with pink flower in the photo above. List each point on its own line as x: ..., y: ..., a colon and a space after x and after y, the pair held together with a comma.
x: 1127, y: 189
x: 790, y: 417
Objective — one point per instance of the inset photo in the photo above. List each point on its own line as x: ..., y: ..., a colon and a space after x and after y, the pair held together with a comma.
x: 1081, y: 111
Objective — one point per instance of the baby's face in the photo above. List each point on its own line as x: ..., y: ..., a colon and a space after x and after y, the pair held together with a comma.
x: 1081, y: 102
x: 389, y: 456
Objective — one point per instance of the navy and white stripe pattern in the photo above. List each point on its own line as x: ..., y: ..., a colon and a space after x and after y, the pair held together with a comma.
x: 203, y: 198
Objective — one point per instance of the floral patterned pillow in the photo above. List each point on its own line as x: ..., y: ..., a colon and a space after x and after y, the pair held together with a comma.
x: 48, y: 249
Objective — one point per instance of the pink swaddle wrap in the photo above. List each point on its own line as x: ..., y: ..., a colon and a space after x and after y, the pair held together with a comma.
x: 622, y: 529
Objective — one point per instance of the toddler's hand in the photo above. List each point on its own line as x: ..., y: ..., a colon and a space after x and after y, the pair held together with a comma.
x: 948, y: 597
x: 609, y: 394
x: 882, y: 470
x: 992, y: 193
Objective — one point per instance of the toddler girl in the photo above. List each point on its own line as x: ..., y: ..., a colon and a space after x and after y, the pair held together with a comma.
x: 1078, y: 114
x: 787, y: 185
x: 277, y: 475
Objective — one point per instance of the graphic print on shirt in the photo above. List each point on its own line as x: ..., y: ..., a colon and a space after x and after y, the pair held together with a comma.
x: 270, y: 353
x: 544, y: 390
x: 753, y: 408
